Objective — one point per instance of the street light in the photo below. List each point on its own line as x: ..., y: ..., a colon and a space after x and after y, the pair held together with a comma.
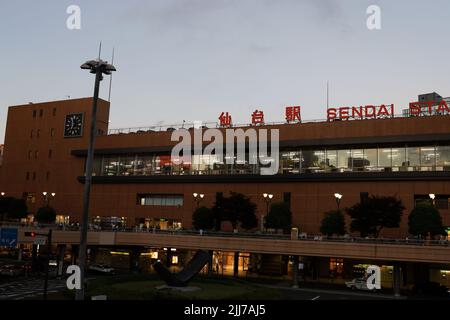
x: 338, y: 198
x: 97, y: 67
x: 198, y: 197
x: 267, y: 198
x: 47, y: 198
x: 3, y: 194
x: 432, y: 197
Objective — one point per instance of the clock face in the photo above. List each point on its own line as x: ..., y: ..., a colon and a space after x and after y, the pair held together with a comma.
x: 73, y: 126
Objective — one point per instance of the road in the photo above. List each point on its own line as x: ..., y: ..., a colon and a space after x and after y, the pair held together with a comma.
x: 325, y: 294
x: 23, y: 288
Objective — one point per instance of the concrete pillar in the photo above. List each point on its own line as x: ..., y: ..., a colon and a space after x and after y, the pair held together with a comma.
x: 236, y: 264
x: 74, y: 254
x: 295, y: 272
x: 169, y: 257
x: 397, y: 279
x: 210, y: 262
x: 19, y: 256
x: 34, y: 262
x: 61, y: 250
x: 134, y: 259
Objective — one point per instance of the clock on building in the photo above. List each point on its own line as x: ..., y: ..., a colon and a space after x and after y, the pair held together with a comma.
x: 73, y: 126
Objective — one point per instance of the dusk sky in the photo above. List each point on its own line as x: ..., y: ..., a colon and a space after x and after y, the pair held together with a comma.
x: 190, y: 60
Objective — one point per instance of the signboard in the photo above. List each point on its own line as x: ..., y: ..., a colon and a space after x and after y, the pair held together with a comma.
x: 361, y: 112
x: 40, y: 241
x: 8, y: 237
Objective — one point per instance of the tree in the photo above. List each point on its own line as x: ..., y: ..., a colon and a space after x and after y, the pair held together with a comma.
x: 425, y: 219
x: 5, y: 202
x: 45, y: 215
x: 17, y: 209
x: 279, y: 216
x: 238, y: 208
x: 333, y: 223
x: 203, y: 218
x: 369, y: 217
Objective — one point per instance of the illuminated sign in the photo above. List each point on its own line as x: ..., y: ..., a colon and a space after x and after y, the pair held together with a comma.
x: 292, y: 114
x: 428, y: 108
x: 374, y: 278
x: 361, y: 112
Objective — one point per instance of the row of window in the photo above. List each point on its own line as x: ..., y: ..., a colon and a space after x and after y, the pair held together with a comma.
x: 402, y: 158
x: 36, y: 154
x: 32, y: 176
x: 41, y: 113
x: 38, y: 133
x: 160, y: 199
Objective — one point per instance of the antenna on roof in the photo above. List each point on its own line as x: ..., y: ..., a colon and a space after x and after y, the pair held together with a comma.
x: 110, y: 77
x: 328, y: 97
x: 99, y: 50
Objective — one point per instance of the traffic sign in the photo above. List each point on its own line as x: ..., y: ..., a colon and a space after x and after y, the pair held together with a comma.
x: 8, y: 237
x: 40, y: 241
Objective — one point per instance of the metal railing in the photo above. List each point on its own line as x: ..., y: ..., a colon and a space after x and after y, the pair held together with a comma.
x: 254, y: 235
x: 212, y: 124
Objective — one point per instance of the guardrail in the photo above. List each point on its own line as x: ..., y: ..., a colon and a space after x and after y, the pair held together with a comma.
x: 256, y: 235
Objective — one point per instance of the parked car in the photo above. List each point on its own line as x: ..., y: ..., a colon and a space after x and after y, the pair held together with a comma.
x: 101, y: 268
x: 11, y: 270
x: 358, y: 283
x: 432, y: 289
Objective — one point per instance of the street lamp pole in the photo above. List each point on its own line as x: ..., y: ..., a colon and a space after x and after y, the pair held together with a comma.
x: 267, y: 198
x: 97, y: 67
x: 338, y: 198
x: 45, y: 198
x: 433, y: 197
x: 198, y: 197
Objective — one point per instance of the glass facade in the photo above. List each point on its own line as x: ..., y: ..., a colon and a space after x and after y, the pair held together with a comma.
x: 317, y: 160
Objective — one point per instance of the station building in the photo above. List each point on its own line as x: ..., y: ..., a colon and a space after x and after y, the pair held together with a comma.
x: 137, y: 184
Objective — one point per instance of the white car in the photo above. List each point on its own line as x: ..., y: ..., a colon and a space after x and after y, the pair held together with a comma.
x: 101, y: 268
x: 358, y: 283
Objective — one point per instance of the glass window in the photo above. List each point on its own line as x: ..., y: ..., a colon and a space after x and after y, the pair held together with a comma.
x: 205, y: 164
x: 290, y: 162
x: 344, y: 160
x: 427, y: 158
x: 320, y: 155
x: 310, y: 160
x: 97, y: 166
x: 413, y: 158
x: 443, y: 158
x: 398, y: 158
x: 371, y: 159
x: 126, y: 165
x: 331, y: 160
x: 385, y: 158
x: 110, y: 166
x: 163, y: 164
x: 160, y: 200
x: 357, y: 159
